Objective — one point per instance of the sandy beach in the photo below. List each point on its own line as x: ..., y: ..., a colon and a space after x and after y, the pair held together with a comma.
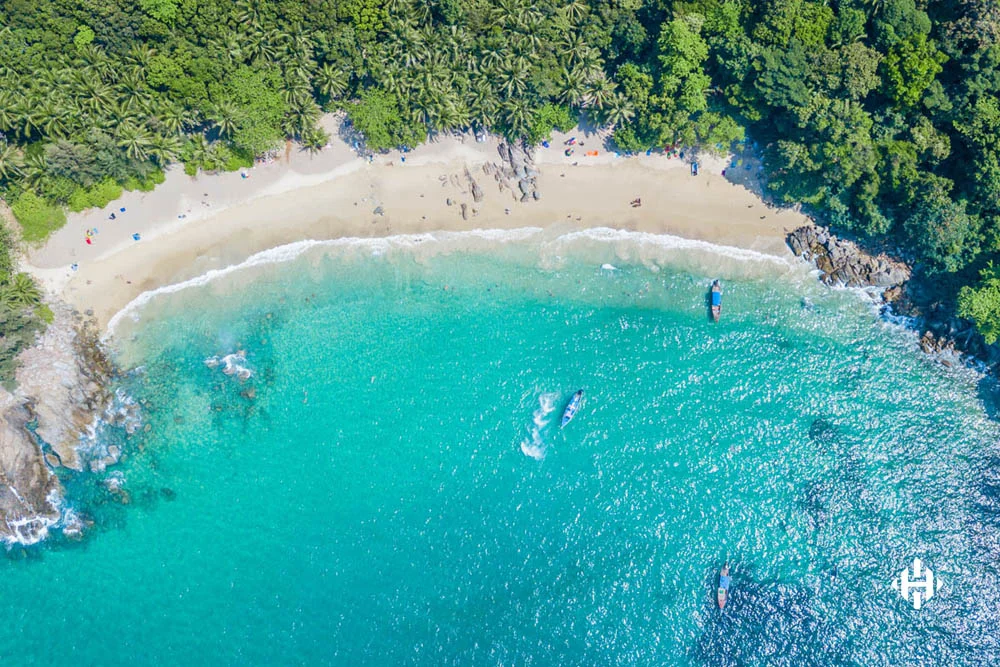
x: 188, y: 226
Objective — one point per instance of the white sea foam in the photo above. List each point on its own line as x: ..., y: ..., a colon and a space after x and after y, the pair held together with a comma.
x: 671, y: 242
x: 534, y: 445
x: 232, y: 364
x: 32, y: 529
x: 291, y: 251
x: 380, y: 245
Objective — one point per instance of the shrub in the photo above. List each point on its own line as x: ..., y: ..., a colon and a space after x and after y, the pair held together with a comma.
x: 37, y: 217
x: 98, y: 195
x: 981, y: 303
x: 44, y: 312
x: 547, y: 118
x: 147, y: 184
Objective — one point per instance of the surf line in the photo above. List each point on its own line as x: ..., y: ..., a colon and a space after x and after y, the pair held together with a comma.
x: 291, y: 251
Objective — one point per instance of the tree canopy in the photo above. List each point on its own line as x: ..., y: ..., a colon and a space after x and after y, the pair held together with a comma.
x: 880, y: 115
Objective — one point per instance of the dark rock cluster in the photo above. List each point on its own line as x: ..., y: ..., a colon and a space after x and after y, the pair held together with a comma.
x: 842, y: 262
x: 516, y: 172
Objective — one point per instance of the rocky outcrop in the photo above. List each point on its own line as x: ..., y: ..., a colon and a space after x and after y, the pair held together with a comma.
x: 516, y: 172
x: 29, y: 492
x: 942, y: 333
x: 63, y: 379
x: 842, y: 262
x: 61, y: 387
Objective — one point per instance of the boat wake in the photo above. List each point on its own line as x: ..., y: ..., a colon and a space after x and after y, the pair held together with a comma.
x: 534, y: 444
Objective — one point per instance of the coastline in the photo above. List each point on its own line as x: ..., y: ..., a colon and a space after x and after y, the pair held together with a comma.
x: 191, y: 229
x: 336, y: 194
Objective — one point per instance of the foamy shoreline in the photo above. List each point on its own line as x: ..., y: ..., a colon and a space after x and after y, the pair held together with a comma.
x: 190, y: 227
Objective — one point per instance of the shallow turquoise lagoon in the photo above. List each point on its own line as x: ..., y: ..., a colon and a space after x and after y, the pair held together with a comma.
x: 391, y: 486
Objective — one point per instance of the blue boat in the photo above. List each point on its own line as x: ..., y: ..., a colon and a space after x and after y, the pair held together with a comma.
x: 716, y: 300
x: 724, y: 582
x: 572, y: 407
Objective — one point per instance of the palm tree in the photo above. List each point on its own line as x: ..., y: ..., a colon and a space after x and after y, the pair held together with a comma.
x: 53, y: 119
x: 516, y: 117
x: 232, y: 48
x: 482, y: 104
x: 301, y: 118
x: 590, y: 62
x: 23, y: 291
x: 600, y: 92
x: 302, y: 43
x: 514, y: 81
x: 263, y: 43
x: 248, y: 13
x: 31, y: 116
x: 331, y: 81
x: 135, y: 140
x: 97, y: 95
x: 7, y: 304
x: 199, y: 149
x: 620, y: 111
x: 225, y: 115
x: 453, y: 114
x: 571, y: 87
x: 165, y: 150
x: 494, y: 58
x: 394, y: 81
x: 296, y: 93
x: 10, y: 161
x: 175, y: 118
x: 423, y: 10
x: 532, y: 31
x: 314, y: 139
x: 139, y: 56
x: 8, y: 109
x: 575, y: 10
x: 574, y: 46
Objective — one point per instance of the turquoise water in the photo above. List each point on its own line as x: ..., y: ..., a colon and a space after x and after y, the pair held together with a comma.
x: 391, y: 486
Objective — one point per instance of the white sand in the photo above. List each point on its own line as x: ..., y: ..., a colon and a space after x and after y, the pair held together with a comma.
x: 334, y: 193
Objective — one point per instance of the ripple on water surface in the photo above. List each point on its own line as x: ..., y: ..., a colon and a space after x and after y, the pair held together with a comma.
x: 390, y: 483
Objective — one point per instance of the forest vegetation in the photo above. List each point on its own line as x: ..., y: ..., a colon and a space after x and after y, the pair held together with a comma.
x: 882, y: 117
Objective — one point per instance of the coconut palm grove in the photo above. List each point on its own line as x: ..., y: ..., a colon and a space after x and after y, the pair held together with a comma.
x: 881, y: 117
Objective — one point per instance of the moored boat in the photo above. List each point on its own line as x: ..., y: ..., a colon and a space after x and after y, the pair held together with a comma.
x: 716, y: 300
x: 572, y: 407
x: 724, y: 582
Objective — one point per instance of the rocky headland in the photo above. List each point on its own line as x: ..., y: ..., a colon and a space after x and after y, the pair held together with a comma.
x: 61, y: 389
x: 844, y: 262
